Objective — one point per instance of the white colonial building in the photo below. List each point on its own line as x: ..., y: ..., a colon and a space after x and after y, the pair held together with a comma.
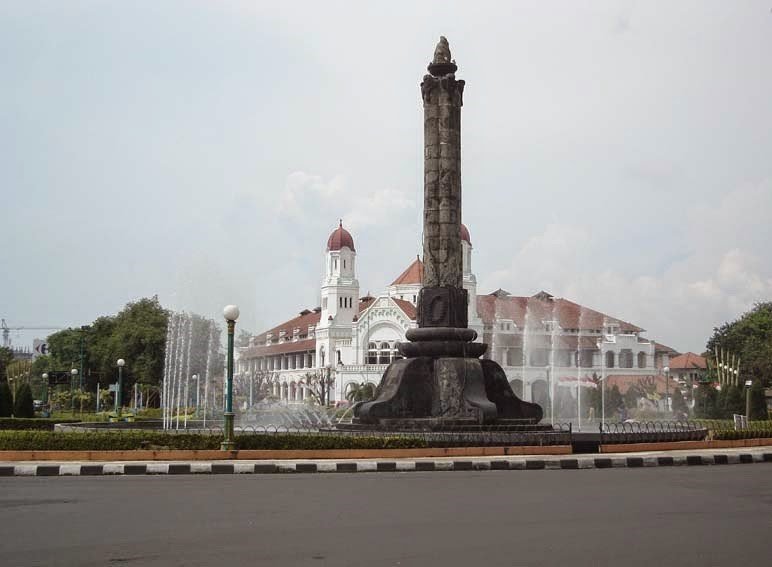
x: 546, y: 345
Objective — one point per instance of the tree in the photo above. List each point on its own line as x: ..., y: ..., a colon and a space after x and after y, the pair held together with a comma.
x: 632, y: 395
x: 749, y: 338
x: 734, y: 402
x: 22, y: 403
x: 260, y: 382
x: 706, y: 402
x: 140, y: 339
x: 680, y: 409
x: 320, y: 383
x: 6, y: 399
x: 6, y: 356
x: 758, y: 409
x: 361, y: 392
x: 615, y: 402
x: 137, y: 334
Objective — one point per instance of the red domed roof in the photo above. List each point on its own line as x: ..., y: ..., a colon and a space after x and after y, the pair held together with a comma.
x: 465, y: 234
x: 339, y: 238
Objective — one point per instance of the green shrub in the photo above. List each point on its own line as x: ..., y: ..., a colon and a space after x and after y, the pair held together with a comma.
x: 730, y: 435
x: 321, y: 442
x: 151, y: 413
x: 22, y: 403
x: 20, y: 424
x: 130, y: 440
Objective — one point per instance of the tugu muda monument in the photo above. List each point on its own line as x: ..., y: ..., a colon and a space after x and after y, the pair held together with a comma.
x: 442, y: 381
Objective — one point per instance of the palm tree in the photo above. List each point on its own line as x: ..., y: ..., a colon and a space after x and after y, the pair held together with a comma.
x: 360, y: 392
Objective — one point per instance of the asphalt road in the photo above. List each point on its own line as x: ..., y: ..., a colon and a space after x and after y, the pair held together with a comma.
x: 661, y: 516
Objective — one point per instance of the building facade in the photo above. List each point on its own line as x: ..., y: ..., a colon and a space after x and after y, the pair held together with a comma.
x: 546, y: 345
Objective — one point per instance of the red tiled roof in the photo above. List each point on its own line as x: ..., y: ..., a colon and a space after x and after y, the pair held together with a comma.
x: 414, y: 274
x: 339, y: 238
x: 301, y: 321
x: 659, y: 347
x: 407, y: 307
x: 688, y: 361
x: 365, y: 302
x: 568, y: 314
x: 283, y: 348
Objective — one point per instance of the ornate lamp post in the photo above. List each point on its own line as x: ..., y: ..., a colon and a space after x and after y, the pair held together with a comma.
x: 667, y: 388
x: 231, y: 313
x: 195, y: 379
x: 45, y: 388
x: 73, y: 373
x: 118, y: 402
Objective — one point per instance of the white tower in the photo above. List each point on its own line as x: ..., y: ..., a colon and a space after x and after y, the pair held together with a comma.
x: 340, y: 296
x: 470, y: 283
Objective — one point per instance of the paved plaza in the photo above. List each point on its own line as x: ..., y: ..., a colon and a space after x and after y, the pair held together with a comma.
x: 666, y: 515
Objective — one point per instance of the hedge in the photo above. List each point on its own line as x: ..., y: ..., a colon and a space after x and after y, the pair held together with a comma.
x: 730, y: 435
x: 131, y: 440
x: 23, y: 423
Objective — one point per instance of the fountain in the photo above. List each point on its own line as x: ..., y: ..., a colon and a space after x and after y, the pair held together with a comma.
x: 192, y: 349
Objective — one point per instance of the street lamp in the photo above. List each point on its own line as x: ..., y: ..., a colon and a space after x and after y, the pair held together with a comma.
x: 748, y: 384
x: 45, y: 388
x: 195, y: 378
x: 120, y: 362
x: 231, y: 313
x: 73, y: 373
x: 666, y: 369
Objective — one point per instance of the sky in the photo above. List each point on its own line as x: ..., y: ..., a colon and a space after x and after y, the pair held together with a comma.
x: 617, y: 154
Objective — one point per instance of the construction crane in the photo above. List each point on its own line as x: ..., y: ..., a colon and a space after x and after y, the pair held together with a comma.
x: 7, y: 330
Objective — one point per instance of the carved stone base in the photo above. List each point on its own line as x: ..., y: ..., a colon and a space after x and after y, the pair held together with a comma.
x: 447, y: 389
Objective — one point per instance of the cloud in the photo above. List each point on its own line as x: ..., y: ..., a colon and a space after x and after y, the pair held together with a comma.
x: 725, y: 275
x: 304, y: 193
x: 311, y: 197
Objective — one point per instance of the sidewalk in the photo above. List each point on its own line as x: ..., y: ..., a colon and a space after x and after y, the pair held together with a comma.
x: 530, y: 462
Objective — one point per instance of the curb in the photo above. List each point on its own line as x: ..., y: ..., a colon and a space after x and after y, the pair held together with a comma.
x: 579, y: 463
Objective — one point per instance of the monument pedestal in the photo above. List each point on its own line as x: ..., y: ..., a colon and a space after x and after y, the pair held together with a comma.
x: 443, y: 382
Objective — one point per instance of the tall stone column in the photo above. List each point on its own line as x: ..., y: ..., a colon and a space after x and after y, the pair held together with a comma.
x: 442, y: 301
x: 442, y: 382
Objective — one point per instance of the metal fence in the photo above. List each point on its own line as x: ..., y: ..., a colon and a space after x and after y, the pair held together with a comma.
x: 651, y: 432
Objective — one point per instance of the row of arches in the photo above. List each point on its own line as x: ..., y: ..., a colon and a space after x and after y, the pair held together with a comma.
x: 567, y: 358
x: 382, y: 352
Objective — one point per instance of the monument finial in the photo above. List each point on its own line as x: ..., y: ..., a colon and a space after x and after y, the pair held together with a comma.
x: 442, y: 64
x: 442, y: 51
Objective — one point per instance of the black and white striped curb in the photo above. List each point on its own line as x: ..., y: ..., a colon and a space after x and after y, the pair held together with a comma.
x: 268, y: 467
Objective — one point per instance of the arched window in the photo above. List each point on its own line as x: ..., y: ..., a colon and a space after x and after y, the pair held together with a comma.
x: 540, y: 357
x: 641, y: 359
x: 372, y: 353
x: 625, y: 358
x: 321, y: 357
x: 515, y: 357
x: 384, y: 354
x: 396, y: 355
x: 610, y: 359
